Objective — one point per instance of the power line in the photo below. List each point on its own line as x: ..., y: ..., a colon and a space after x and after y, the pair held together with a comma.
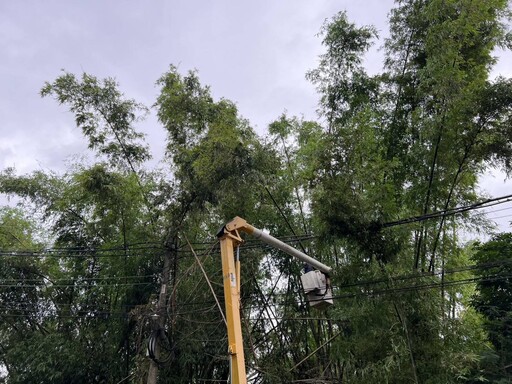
x: 82, y: 282
x: 121, y: 251
x: 499, y: 217
x: 463, y: 268
x: 71, y: 285
x: 75, y: 255
x: 53, y: 281
x: 446, y: 283
x: 498, y: 210
x: 146, y: 246
x: 450, y: 211
x: 212, y: 305
x: 248, y: 244
x: 19, y: 283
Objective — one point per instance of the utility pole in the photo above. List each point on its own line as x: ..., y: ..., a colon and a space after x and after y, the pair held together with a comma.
x: 160, y: 317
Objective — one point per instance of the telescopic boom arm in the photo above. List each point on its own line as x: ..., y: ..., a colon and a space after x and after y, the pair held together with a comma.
x: 229, y: 237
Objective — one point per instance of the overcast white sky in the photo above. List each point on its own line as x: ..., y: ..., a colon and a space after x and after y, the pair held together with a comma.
x: 255, y: 53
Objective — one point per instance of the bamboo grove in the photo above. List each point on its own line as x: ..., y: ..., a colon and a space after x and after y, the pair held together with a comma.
x: 374, y: 188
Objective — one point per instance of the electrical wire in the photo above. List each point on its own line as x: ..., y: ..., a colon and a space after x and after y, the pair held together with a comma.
x: 99, y: 252
x: 19, y: 283
x: 248, y: 244
x: 165, y: 344
x: 80, y: 279
x: 465, y: 268
x: 73, y: 252
x: 88, y: 252
x: 451, y: 211
x: 499, y: 217
x: 208, y: 281
x: 448, y: 283
x: 373, y: 293
x: 498, y: 210
x: 75, y: 285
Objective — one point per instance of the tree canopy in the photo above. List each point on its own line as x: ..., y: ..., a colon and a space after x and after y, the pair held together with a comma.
x: 380, y: 188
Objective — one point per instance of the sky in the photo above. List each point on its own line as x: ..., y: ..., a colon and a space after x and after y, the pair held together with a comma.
x: 255, y: 53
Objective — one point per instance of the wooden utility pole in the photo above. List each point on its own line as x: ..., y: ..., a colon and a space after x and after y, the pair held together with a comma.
x: 160, y: 316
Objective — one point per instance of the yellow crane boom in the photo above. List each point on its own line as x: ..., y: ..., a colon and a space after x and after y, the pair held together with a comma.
x: 229, y: 236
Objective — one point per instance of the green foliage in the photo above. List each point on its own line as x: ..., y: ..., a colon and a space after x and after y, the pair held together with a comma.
x: 77, y: 302
x: 340, y: 77
x: 408, y: 142
x: 216, y: 156
x: 102, y: 211
x: 493, y: 300
x: 405, y: 143
x: 85, y: 208
x: 55, y: 358
x: 57, y: 325
x: 104, y: 116
x: 17, y: 231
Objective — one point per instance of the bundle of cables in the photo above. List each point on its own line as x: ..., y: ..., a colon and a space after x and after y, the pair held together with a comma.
x: 160, y: 338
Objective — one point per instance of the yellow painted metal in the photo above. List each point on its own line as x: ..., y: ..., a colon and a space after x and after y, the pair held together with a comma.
x: 231, y: 277
x: 229, y: 239
x: 239, y: 224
